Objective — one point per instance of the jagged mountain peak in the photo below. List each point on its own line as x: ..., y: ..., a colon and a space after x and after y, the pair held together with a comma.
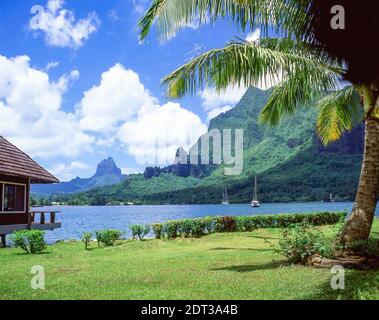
x: 107, y: 166
x: 107, y: 173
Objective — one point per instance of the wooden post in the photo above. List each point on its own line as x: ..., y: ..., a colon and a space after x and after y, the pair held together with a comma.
x: 42, y: 217
x: 3, y: 241
x: 52, y: 217
x: 29, y: 220
x: 27, y: 204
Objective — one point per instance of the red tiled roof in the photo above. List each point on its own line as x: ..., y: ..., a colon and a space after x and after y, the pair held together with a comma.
x: 14, y: 162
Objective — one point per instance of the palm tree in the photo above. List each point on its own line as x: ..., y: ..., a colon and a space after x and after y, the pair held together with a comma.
x: 309, y: 70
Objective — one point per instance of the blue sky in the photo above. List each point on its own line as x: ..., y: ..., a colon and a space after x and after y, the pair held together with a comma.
x: 76, y: 86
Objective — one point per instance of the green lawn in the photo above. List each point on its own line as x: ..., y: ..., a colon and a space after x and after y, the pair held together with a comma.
x: 218, y: 266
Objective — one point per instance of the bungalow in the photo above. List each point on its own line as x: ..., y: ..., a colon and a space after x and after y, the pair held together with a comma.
x: 17, y: 172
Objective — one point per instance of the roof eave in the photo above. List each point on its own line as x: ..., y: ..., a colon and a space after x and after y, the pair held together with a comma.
x: 33, y: 179
x: 43, y: 181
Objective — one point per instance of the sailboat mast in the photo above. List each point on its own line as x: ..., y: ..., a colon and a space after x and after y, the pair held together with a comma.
x: 226, y: 197
x: 255, y: 190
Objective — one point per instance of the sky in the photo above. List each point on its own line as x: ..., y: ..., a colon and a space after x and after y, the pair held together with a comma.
x: 77, y: 85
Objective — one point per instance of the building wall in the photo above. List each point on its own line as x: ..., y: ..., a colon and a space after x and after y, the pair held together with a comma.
x: 16, y: 218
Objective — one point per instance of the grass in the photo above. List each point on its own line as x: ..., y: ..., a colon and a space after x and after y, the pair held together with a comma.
x: 218, y: 266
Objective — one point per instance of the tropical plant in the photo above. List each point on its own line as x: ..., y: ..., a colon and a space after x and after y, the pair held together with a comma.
x: 157, y: 229
x: 140, y: 231
x: 368, y: 247
x: 306, y: 61
x: 86, y: 239
x: 171, y: 229
x: 31, y: 241
x: 107, y: 237
x: 226, y: 224
x: 300, y: 242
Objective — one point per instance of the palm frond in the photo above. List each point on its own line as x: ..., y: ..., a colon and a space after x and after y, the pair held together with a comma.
x: 300, y: 47
x: 288, y: 16
x: 295, y: 91
x: 339, y: 112
x: 246, y: 64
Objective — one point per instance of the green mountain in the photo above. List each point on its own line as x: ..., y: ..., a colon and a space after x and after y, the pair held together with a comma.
x: 289, y: 160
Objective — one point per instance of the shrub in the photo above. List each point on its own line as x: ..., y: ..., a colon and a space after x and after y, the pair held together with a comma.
x: 86, y: 238
x: 158, y: 230
x: 31, y: 241
x: 369, y: 247
x: 226, y: 224
x: 299, y: 243
x: 170, y: 229
x: 246, y: 223
x: 185, y: 227
x: 198, y: 227
x: 191, y: 227
x: 140, y: 231
x: 107, y: 237
x: 209, y: 224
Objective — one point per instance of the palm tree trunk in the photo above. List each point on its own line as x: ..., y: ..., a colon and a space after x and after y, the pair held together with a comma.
x: 358, y: 226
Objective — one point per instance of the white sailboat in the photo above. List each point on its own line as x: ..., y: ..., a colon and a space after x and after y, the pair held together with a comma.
x: 225, y: 200
x: 255, y: 203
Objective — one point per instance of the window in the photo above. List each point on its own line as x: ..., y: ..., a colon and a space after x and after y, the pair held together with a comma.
x: 13, y: 197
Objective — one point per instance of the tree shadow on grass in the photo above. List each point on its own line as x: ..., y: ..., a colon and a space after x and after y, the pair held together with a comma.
x: 254, y: 267
x: 91, y: 249
x: 264, y: 238
x: 359, y: 285
x: 23, y: 253
x: 252, y: 249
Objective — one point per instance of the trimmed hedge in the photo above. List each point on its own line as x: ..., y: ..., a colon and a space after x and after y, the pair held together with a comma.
x: 200, y: 226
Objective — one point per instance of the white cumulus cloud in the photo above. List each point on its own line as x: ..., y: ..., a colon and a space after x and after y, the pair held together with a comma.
x: 66, y: 172
x: 31, y: 114
x: 131, y: 170
x: 118, y: 98
x: 214, y: 102
x: 121, y: 110
x: 217, y: 111
x: 60, y: 26
x: 155, y: 136
x: 51, y: 65
x: 254, y: 36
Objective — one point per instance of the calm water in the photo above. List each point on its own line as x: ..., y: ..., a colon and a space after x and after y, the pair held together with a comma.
x: 76, y: 220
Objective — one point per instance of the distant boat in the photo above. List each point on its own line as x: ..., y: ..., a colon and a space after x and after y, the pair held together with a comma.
x: 330, y: 199
x: 255, y: 203
x: 225, y: 200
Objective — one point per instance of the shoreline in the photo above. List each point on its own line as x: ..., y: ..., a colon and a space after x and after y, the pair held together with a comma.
x: 194, y: 204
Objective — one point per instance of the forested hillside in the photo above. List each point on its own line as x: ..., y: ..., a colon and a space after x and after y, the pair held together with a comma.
x: 290, y: 162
